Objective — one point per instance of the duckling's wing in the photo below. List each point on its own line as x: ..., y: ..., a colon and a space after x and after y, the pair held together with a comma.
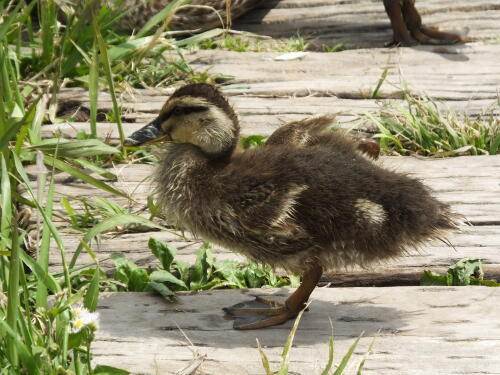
x: 268, y: 208
x: 301, y: 133
x: 313, y: 131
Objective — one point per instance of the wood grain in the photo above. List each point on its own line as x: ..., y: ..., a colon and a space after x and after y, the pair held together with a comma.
x: 453, y: 330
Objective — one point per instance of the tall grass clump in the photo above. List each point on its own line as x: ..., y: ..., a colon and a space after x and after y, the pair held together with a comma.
x: 46, y: 326
x: 419, y: 127
x: 36, y: 337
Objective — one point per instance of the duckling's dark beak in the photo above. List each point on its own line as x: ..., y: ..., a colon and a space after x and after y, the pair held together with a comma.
x: 151, y: 133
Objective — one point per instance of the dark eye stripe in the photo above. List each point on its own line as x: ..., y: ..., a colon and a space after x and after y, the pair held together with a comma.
x: 179, y: 111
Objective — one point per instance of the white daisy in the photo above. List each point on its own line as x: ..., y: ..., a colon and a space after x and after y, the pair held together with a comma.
x: 82, y: 317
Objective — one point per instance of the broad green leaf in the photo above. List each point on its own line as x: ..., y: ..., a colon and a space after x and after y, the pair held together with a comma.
x: 430, y: 278
x: 200, y: 273
x: 231, y: 271
x: 462, y: 271
x: 163, y: 251
x: 161, y: 289
x: 491, y: 283
x: 130, y: 274
x: 162, y: 276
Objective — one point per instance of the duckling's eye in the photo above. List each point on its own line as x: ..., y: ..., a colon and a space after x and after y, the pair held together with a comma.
x: 177, y: 111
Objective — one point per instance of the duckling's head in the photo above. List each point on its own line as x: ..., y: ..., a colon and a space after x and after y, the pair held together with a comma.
x: 195, y: 114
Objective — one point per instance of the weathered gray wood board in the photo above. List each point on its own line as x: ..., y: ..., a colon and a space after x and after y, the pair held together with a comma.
x: 443, y: 72
x: 260, y: 115
x: 474, y: 241
x: 364, y: 23
x: 470, y: 184
x: 268, y: 93
x: 432, y: 330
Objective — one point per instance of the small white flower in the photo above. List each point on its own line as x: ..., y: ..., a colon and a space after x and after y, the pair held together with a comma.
x: 82, y: 317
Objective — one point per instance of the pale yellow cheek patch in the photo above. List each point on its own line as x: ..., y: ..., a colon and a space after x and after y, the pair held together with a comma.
x: 370, y: 211
x: 184, y: 132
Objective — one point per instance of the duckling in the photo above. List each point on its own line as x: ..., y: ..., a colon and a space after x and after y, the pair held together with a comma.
x: 309, y: 200
x: 405, y: 18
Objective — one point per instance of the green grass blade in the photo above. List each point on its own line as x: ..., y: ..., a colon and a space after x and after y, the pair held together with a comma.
x: 265, y: 360
x: 288, y: 345
x: 43, y: 256
x: 207, y: 35
x: 42, y: 276
x: 75, y: 148
x: 94, y: 168
x: 24, y: 178
x: 13, y: 128
x: 48, y: 30
x: 94, y: 90
x: 13, y: 16
x: 362, y: 363
x: 329, y: 364
x: 13, y: 296
x: 24, y: 354
x: 165, y: 14
x: 340, y: 369
x: 113, y: 222
x: 65, y: 167
x: 6, y: 199
x: 109, y: 77
x: 379, y: 84
x: 92, y: 297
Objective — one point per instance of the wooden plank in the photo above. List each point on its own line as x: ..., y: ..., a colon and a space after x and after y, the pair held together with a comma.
x: 470, y: 184
x: 471, y: 242
x: 438, y: 330
x: 363, y: 23
x: 258, y: 115
x: 440, y: 72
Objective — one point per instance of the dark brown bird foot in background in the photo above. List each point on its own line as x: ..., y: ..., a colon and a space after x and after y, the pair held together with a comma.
x: 369, y: 147
x: 407, y: 23
x: 259, y: 313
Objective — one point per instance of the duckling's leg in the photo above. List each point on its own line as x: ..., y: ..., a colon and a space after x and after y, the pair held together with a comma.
x: 406, y: 20
x: 263, y: 312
